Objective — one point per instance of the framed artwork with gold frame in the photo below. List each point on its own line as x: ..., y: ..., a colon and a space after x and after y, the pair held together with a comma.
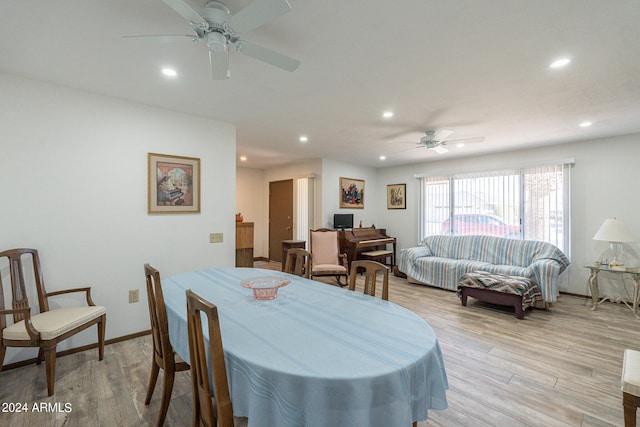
x: 397, y: 196
x: 174, y: 184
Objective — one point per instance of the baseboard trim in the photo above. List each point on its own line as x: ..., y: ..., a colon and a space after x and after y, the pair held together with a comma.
x: 574, y: 295
x: 76, y: 350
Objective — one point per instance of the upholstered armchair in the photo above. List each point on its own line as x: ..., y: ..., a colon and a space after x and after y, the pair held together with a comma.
x: 326, y: 259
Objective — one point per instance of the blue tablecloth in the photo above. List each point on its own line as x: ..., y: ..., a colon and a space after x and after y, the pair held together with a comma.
x: 316, y: 356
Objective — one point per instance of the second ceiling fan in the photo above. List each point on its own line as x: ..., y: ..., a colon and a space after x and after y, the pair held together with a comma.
x: 437, y: 140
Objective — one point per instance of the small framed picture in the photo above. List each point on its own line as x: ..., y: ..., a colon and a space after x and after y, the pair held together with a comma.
x: 174, y: 184
x: 396, y: 196
x: 351, y: 193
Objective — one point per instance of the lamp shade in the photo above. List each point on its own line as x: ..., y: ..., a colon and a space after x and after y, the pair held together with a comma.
x: 614, y: 230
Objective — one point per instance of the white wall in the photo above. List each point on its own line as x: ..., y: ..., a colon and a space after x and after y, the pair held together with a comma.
x: 332, y: 170
x: 312, y: 167
x: 250, y: 203
x: 604, y: 184
x: 74, y: 186
x: 253, y: 194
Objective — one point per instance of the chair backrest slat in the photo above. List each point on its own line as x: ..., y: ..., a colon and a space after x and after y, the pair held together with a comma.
x: 297, y: 262
x: 371, y: 270
x: 204, y: 410
x: 158, y: 315
x: 18, y: 260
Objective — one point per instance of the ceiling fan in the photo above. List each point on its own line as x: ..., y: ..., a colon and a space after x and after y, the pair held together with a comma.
x: 436, y: 140
x: 214, y: 25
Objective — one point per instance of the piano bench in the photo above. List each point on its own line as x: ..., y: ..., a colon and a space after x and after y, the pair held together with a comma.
x: 380, y: 256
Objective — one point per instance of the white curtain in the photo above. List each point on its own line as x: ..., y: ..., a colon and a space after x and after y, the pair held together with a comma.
x: 304, y: 207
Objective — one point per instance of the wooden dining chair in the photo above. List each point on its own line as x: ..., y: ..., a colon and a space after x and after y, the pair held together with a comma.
x: 163, y: 355
x: 371, y: 270
x: 326, y: 257
x: 298, y: 262
x: 48, y: 327
x: 204, y: 411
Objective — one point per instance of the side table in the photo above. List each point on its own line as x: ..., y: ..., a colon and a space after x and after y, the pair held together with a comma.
x: 595, y: 270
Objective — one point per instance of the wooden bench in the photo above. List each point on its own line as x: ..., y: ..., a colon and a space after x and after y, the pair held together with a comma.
x: 379, y: 256
x: 500, y: 289
x: 630, y: 386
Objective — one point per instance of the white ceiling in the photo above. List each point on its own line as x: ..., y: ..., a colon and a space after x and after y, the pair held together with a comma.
x: 478, y: 67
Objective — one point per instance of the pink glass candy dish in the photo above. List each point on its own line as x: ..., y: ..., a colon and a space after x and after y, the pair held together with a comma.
x: 265, y: 288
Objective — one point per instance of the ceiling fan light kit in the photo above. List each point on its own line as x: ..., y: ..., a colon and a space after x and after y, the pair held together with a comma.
x: 214, y: 25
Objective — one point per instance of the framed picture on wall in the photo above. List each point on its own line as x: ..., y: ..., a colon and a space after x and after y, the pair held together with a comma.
x: 396, y: 196
x: 351, y: 193
x: 174, y: 184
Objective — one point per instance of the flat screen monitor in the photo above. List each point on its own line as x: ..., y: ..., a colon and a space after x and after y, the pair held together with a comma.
x: 342, y: 221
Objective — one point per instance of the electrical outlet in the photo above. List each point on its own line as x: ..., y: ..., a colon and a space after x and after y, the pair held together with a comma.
x: 215, y: 238
x: 134, y: 295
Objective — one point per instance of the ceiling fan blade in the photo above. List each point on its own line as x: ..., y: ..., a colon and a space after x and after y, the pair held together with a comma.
x: 257, y: 14
x: 186, y: 9
x: 267, y: 55
x: 442, y: 134
x: 411, y: 148
x: 219, y: 64
x: 472, y: 140
x: 163, y: 38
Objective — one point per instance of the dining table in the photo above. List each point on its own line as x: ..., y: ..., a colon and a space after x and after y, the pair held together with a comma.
x: 317, y: 355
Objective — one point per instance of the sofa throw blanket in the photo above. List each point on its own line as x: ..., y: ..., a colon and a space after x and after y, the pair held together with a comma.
x: 442, y: 260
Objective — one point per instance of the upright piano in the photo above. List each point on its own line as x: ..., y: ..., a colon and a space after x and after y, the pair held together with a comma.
x: 357, y: 240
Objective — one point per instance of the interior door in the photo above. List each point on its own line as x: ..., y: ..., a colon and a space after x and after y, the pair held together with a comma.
x: 280, y: 216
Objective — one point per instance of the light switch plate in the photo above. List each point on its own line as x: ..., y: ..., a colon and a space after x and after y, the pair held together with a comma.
x: 134, y: 295
x: 216, y: 238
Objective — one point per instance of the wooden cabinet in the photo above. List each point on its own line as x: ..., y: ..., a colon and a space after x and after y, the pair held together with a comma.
x: 244, y: 244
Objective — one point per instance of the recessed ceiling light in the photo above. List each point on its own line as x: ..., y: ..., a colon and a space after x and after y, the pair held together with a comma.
x: 387, y: 114
x: 460, y: 144
x: 585, y: 124
x: 169, y: 72
x: 304, y: 138
x: 383, y: 157
x: 559, y: 63
x: 243, y: 158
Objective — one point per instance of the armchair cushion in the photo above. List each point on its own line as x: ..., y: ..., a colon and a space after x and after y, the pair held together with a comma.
x: 54, y: 323
x: 328, y: 268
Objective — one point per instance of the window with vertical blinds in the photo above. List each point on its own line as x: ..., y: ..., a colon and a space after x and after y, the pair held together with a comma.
x: 527, y: 203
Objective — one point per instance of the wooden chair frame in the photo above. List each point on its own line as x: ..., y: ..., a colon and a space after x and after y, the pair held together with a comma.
x: 298, y: 262
x: 342, y: 261
x: 204, y: 411
x: 371, y: 270
x: 164, y: 357
x: 21, y: 310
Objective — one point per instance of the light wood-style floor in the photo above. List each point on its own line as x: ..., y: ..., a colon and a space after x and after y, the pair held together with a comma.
x: 554, y: 368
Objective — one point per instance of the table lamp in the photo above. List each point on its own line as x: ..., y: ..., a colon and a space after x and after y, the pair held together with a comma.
x: 614, y: 231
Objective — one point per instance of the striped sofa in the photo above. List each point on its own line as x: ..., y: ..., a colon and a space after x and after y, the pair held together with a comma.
x: 441, y: 261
